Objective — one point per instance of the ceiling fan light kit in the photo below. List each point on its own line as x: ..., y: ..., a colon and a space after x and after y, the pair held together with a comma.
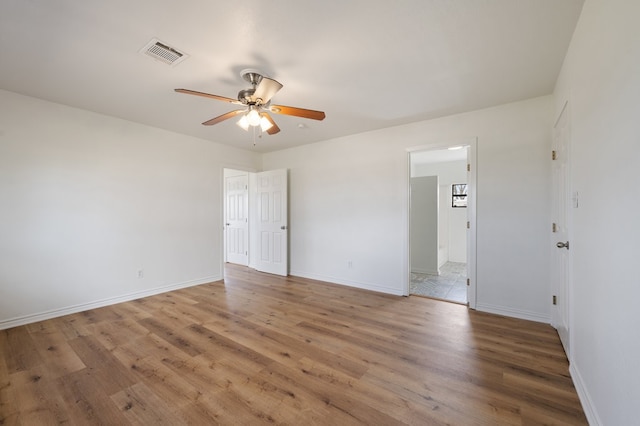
x: 257, y: 101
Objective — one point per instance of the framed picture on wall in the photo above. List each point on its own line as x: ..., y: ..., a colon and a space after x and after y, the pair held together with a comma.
x: 459, y: 195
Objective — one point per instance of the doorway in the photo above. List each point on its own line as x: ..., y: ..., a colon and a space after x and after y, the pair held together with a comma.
x: 236, y: 217
x: 255, y: 214
x: 442, y: 223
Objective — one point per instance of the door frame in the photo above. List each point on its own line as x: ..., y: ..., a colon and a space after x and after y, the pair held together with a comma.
x: 565, y: 297
x: 252, y: 226
x: 223, y: 213
x: 225, y: 219
x: 472, y: 144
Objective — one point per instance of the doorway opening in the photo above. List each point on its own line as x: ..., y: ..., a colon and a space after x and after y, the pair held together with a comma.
x: 255, y: 214
x: 236, y: 217
x: 441, y: 215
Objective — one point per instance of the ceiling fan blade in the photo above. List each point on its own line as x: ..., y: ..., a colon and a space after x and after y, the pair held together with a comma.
x: 266, y: 89
x: 223, y: 117
x: 298, y: 112
x: 208, y: 95
x: 274, y: 127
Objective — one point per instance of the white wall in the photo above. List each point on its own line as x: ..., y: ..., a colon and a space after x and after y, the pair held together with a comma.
x: 424, y: 224
x: 348, y: 201
x: 453, y: 221
x: 88, y: 200
x: 444, y: 194
x: 601, y: 81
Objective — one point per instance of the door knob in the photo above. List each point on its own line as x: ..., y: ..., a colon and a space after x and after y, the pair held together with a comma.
x: 283, y: 227
x: 560, y: 244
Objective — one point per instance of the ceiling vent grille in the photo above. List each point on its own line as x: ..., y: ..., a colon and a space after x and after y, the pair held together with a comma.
x: 163, y: 53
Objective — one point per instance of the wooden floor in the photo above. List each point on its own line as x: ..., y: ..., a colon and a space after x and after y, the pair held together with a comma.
x: 263, y: 349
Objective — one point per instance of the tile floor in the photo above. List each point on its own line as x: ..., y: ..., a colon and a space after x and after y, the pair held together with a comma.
x: 450, y: 285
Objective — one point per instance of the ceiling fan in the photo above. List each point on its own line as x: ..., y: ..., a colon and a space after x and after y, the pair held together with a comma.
x: 257, y: 102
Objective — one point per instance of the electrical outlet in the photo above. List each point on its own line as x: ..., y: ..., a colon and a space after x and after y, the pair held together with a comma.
x: 140, y: 273
x: 350, y: 264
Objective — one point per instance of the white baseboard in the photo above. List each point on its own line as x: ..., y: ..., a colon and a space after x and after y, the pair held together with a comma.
x: 42, y: 316
x: 585, y: 398
x: 349, y: 283
x: 514, y: 313
x: 425, y: 271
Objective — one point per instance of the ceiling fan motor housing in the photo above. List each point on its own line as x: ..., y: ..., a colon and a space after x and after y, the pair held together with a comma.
x: 246, y: 96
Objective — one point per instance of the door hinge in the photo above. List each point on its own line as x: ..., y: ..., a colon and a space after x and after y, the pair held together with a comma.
x: 468, y: 225
x: 554, y: 228
x: 553, y: 155
x: 468, y: 167
x: 468, y: 281
x: 555, y: 300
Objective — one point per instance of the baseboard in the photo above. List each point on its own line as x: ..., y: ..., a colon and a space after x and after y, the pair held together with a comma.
x: 514, y: 313
x: 349, y: 283
x: 425, y: 271
x: 42, y: 316
x: 585, y: 398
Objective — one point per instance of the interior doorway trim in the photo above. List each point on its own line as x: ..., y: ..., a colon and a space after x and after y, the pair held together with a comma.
x: 472, y: 144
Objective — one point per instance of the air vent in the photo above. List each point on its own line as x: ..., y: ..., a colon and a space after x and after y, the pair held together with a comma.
x: 163, y: 53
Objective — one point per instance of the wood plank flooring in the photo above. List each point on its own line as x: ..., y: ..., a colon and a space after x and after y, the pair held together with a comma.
x: 261, y: 349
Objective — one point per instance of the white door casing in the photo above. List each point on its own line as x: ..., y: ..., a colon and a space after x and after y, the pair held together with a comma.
x: 560, y: 216
x: 471, y: 225
x: 272, y: 222
x: 236, y: 217
x: 472, y: 146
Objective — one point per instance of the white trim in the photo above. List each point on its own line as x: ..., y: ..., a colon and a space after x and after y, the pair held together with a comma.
x: 585, y: 399
x: 348, y: 283
x: 54, y: 313
x: 425, y: 271
x: 513, y: 313
x: 472, y: 257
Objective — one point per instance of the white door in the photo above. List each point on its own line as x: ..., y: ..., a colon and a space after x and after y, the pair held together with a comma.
x: 271, y: 203
x: 236, y: 216
x: 560, y: 251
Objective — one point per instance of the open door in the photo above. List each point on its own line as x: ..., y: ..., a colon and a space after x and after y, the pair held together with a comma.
x: 560, y: 253
x: 272, y: 222
x: 237, y: 219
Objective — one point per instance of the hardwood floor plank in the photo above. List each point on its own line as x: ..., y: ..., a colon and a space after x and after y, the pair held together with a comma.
x: 35, y: 399
x: 8, y: 406
x: 102, y: 366
x: 141, y: 406
x: 116, y: 333
x: 58, y: 357
x: 86, y: 401
x: 263, y: 349
x: 20, y: 351
x: 221, y: 347
x: 340, y: 406
x: 72, y: 326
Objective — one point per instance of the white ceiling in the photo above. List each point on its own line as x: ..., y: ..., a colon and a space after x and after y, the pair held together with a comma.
x: 368, y: 64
